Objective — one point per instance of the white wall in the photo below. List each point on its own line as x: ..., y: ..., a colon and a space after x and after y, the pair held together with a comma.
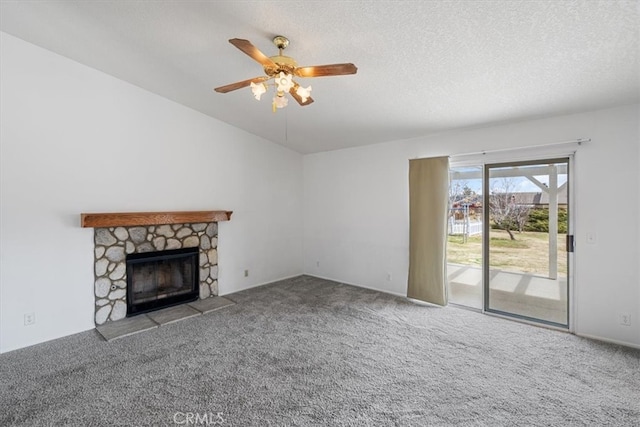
x: 64, y: 124
x: 63, y: 127
x: 356, y: 210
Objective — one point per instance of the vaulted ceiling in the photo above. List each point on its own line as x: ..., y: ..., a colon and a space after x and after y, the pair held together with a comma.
x: 423, y: 66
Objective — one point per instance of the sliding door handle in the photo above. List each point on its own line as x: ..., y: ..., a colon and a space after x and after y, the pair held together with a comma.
x: 570, y: 243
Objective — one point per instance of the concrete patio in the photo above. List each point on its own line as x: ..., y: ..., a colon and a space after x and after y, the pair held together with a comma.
x: 518, y: 293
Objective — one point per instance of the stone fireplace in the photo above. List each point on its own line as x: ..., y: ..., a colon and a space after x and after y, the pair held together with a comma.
x: 113, y: 245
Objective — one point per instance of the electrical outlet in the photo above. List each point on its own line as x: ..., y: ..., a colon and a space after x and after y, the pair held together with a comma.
x: 625, y: 319
x: 388, y: 277
x: 246, y: 273
x: 29, y: 319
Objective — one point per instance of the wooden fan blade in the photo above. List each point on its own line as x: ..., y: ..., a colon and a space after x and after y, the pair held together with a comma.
x: 298, y: 98
x: 240, y: 85
x: 326, y: 70
x: 252, y: 51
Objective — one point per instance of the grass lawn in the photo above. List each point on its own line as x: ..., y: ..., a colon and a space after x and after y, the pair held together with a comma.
x: 529, y: 253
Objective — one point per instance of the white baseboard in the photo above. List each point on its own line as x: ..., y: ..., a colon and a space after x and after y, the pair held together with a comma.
x: 610, y: 341
x: 397, y: 294
x: 255, y: 285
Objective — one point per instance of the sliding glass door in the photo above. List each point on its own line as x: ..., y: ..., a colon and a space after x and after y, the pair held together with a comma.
x: 525, y: 242
x: 507, y: 244
x: 464, y: 243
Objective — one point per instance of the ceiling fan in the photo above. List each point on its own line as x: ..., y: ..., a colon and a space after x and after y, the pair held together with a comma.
x: 281, y: 69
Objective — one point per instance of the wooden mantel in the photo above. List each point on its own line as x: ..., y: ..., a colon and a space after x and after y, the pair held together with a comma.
x: 123, y: 219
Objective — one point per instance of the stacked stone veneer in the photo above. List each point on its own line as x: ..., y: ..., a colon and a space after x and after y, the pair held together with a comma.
x: 113, y: 244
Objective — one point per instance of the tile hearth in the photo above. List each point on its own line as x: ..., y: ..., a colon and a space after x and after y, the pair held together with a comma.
x: 144, y: 322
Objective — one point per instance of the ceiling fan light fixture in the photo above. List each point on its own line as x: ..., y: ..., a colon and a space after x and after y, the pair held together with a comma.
x: 280, y: 101
x: 304, y: 93
x: 258, y: 90
x: 284, y: 82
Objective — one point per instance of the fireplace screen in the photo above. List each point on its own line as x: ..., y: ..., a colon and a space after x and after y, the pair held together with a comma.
x: 161, y: 279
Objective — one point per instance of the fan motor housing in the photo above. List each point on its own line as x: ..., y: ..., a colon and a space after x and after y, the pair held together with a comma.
x: 284, y: 63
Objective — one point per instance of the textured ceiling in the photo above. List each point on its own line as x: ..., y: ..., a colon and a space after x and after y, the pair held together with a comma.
x: 423, y: 66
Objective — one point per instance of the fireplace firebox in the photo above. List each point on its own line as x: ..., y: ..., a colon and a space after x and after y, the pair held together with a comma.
x: 161, y: 279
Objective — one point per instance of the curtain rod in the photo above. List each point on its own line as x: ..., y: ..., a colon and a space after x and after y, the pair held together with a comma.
x: 578, y: 141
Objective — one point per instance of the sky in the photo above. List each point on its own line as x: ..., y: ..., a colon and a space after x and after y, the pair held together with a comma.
x: 517, y: 184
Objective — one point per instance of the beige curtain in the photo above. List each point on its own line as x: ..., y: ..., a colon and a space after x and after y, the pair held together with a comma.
x: 428, y: 205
